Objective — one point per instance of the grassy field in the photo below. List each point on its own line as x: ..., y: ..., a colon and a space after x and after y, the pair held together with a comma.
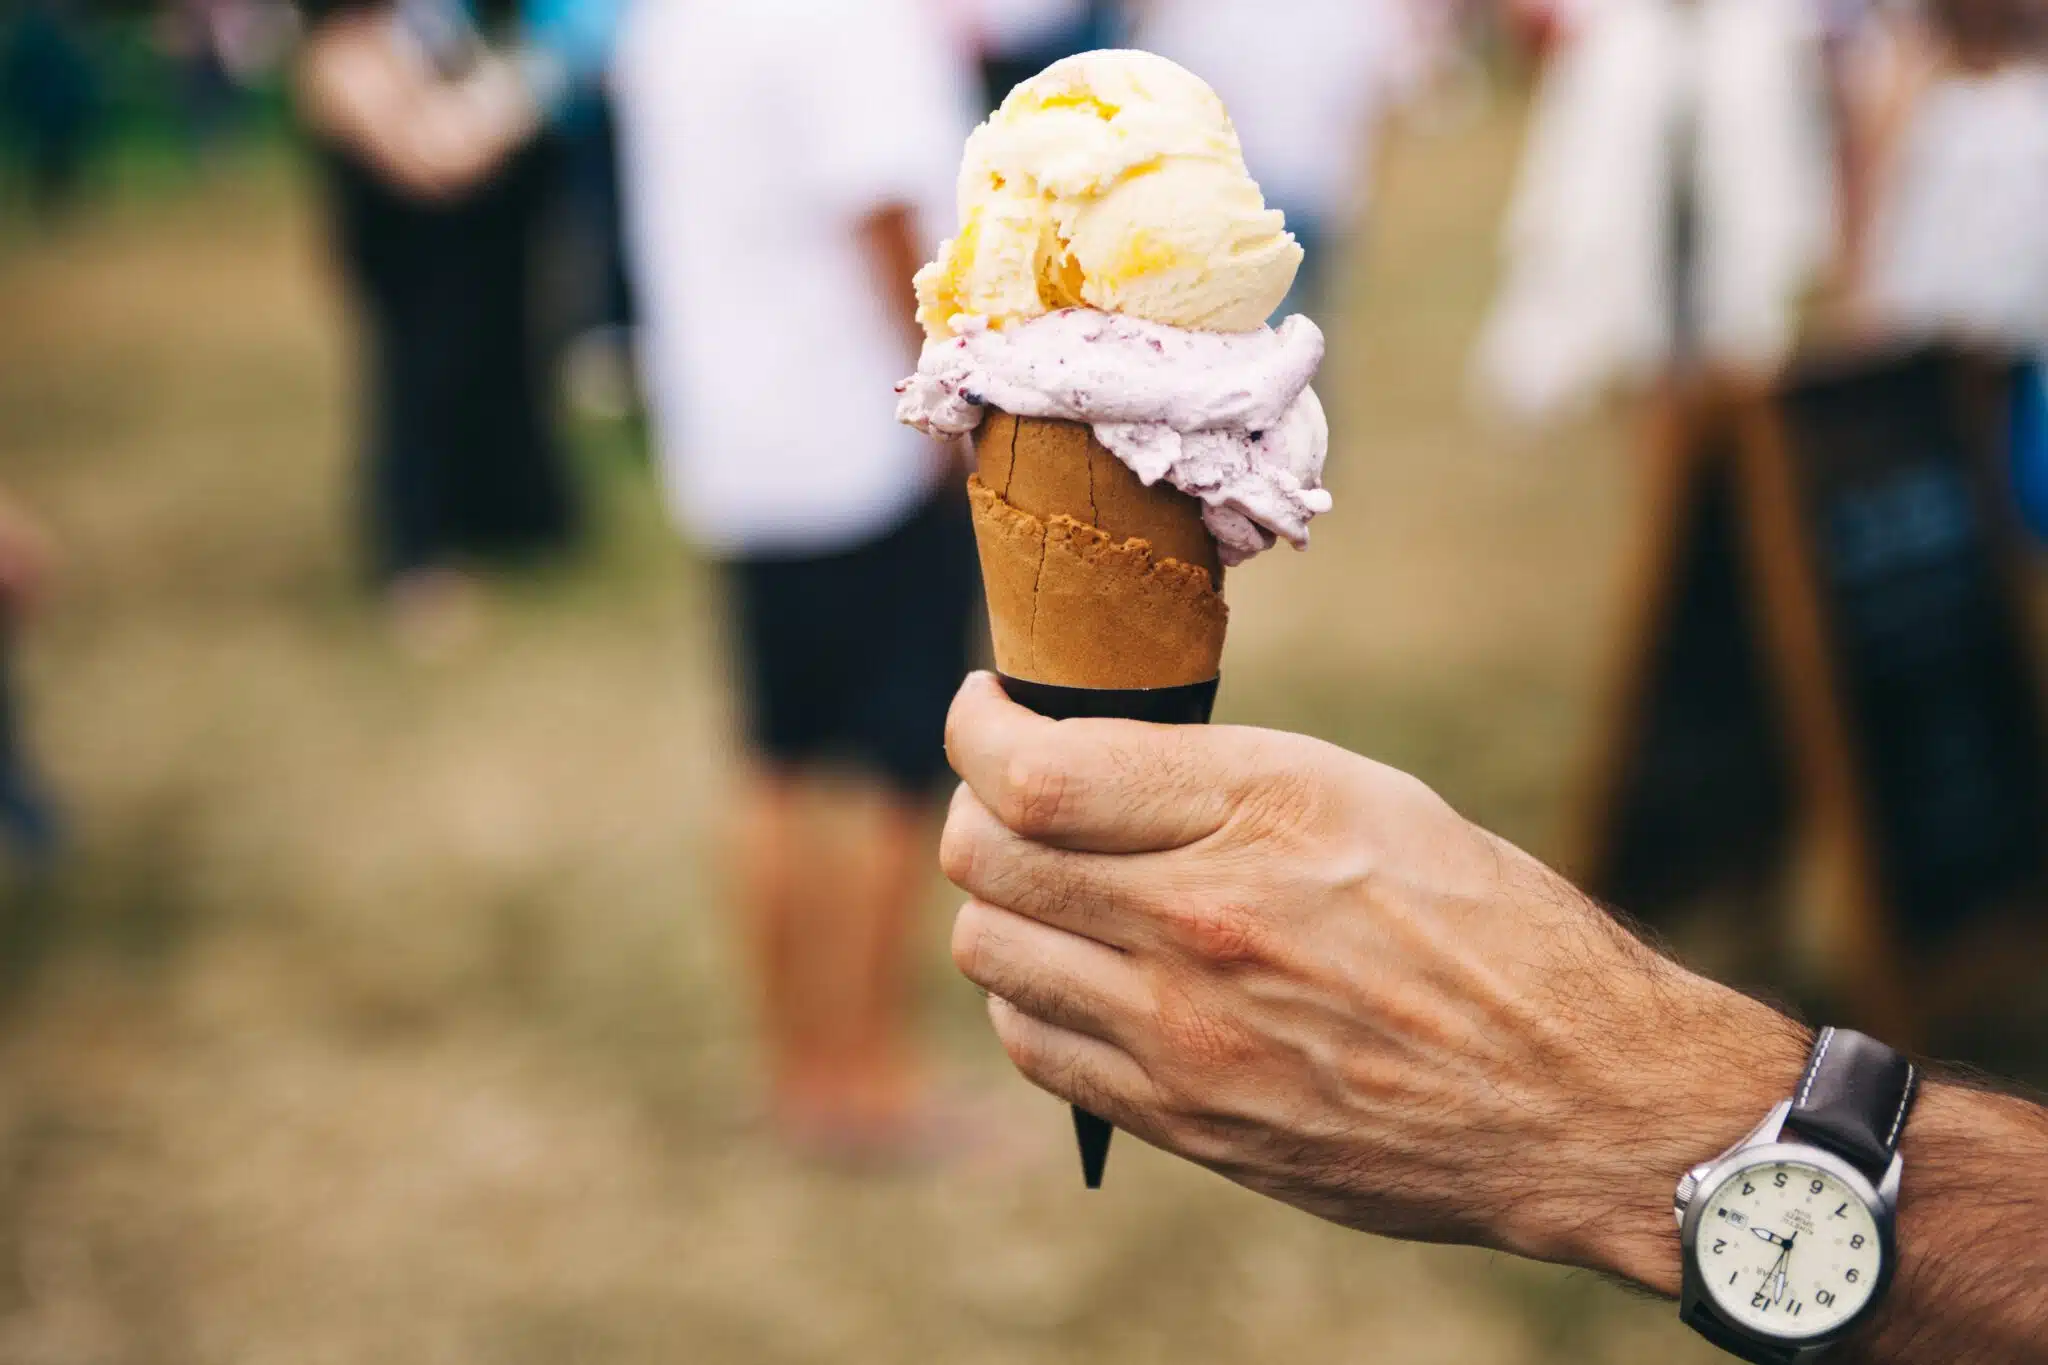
x: 385, y: 1011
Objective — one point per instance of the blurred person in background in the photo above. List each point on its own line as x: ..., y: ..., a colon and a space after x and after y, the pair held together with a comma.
x: 1537, y: 24
x: 1957, y: 128
x: 783, y: 159
x: 220, y: 49
x: 1307, y: 83
x: 433, y: 125
x: 1950, y: 122
x: 28, y: 823
x: 49, y: 96
x: 1676, y: 199
x: 1018, y: 39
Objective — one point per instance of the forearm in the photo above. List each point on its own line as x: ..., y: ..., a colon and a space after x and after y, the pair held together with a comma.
x: 888, y: 238
x: 1972, y: 1281
x: 1683, y: 1070
x: 359, y: 90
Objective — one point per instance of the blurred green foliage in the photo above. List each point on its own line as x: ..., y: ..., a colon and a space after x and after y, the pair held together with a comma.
x: 144, y: 131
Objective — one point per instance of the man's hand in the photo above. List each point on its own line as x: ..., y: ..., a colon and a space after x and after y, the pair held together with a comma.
x: 1306, y: 971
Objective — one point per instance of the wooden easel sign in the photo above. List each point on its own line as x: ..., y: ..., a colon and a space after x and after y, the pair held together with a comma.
x: 1829, y: 659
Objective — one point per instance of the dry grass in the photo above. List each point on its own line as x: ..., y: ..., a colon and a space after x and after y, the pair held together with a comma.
x: 386, y: 1013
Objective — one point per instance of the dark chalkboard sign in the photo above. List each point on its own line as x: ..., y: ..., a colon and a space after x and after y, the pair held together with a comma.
x: 1898, y: 471
x: 1835, y: 660
x: 1694, y: 792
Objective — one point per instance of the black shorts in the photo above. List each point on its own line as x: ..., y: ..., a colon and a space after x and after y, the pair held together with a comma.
x: 854, y: 656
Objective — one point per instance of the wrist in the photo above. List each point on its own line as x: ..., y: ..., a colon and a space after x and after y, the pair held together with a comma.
x: 1682, y: 1075
x: 1973, y: 1200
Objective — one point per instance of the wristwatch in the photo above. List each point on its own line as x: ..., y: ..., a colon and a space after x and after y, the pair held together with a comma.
x: 1787, y: 1235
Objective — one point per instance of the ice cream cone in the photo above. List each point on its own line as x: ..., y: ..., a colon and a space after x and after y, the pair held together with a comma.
x: 1104, y: 593
x: 1103, y: 596
x: 1094, y: 580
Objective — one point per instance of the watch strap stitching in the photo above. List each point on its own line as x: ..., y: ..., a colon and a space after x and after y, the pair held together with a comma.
x: 1827, y: 1035
x: 1891, y: 1140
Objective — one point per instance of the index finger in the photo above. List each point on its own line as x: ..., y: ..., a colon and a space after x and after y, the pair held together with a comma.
x: 1094, y: 786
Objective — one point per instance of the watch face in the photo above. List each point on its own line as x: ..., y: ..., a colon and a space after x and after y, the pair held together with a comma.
x: 1787, y: 1250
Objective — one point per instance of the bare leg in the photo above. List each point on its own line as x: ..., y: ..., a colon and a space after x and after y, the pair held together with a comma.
x: 886, y: 868
x: 830, y: 880
x: 768, y: 843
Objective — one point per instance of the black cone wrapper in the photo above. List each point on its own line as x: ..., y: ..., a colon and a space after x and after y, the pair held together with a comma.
x: 1189, y: 705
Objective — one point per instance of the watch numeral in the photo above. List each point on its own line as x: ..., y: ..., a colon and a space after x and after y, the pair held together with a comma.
x: 1852, y: 1276
x: 1720, y: 1245
x: 1760, y: 1300
x: 1793, y: 1307
x: 1748, y: 1188
x: 1856, y: 1241
x: 1732, y: 1274
x: 1824, y: 1298
x: 1818, y: 1185
x: 1779, y: 1180
x: 1842, y: 1212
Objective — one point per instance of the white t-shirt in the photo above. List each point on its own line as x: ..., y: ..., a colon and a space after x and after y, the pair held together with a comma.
x: 1962, y: 245
x: 755, y: 136
x: 1304, y: 81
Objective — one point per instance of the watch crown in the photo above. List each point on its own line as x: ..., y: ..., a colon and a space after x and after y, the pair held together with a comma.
x: 1687, y: 1188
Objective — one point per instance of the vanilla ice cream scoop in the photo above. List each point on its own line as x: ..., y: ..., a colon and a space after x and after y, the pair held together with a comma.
x: 1113, y: 181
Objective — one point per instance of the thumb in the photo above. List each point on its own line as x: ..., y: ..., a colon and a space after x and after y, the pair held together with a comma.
x: 1096, y: 786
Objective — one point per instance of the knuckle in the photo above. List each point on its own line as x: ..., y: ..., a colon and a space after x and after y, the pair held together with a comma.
x: 1391, y: 794
x: 954, y: 739
x: 1033, y: 1049
x: 1221, y: 933
x: 969, y: 945
x: 957, y: 850
x: 1196, y: 1039
x: 1036, y: 793
x: 1022, y: 1043
x: 1184, y: 1118
x: 988, y: 954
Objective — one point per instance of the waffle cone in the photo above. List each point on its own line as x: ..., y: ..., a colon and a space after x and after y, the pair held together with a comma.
x: 1093, y: 579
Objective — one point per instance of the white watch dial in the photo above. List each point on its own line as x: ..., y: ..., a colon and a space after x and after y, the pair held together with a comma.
x: 1787, y: 1249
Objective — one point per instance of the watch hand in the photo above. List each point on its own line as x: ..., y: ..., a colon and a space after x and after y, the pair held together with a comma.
x: 1769, y: 1236
x: 1784, y: 1266
x: 1774, y: 1279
